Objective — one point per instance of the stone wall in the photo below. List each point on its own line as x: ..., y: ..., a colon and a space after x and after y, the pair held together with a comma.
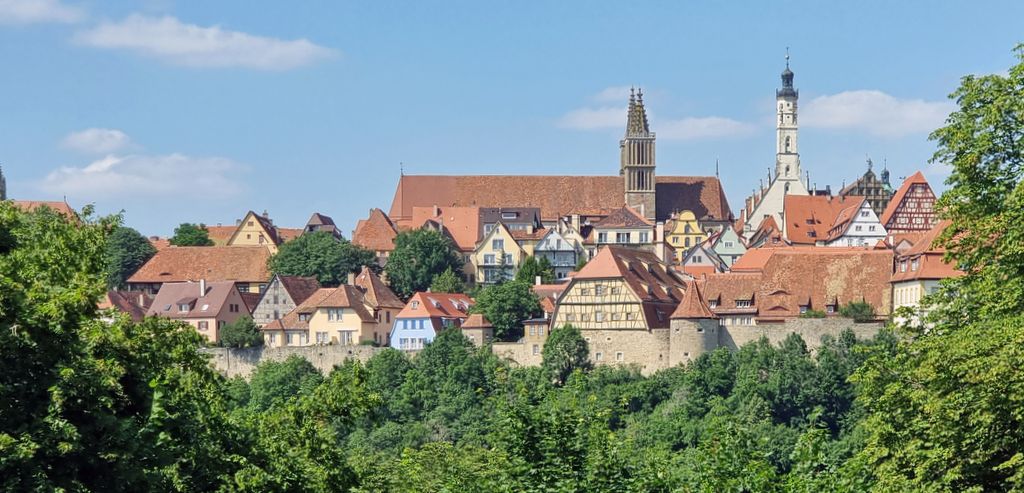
x: 241, y: 362
x: 810, y: 329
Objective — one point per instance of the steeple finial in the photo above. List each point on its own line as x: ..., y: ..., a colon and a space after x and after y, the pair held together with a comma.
x: 716, y: 168
x: 787, y: 57
x: 870, y: 164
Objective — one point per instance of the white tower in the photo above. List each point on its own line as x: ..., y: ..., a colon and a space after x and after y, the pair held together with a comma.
x: 787, y: 155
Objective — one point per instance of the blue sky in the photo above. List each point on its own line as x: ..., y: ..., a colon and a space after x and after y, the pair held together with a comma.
x: 200, y: 111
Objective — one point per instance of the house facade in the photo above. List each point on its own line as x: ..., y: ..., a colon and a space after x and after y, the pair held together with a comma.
x: 682, y: 232
x: 918, y: 271
x: 912, y: 208
x: 206, y: 306
x: 624, y: 226
x: 876, y: 190
x: 425, y: 315
x: 339, y: 315
x: 728, y: 245
x: 497, y: 256
x: 283, y: 294
x: 259, y: 230
x: 856, y: 226
x: 562, y: 253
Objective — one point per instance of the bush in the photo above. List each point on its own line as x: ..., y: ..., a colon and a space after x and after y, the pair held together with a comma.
x: 813, y: 314
x: 243, y: 332
x: 859, y: 311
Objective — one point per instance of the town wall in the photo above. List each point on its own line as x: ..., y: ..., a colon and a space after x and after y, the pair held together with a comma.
x: 242, y: 361
x: 810, y: 329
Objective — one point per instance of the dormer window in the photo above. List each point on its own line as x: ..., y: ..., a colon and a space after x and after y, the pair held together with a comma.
x: 509, y: 215
x: 712, y: 303
x: 744, y: 303
x: 182, y: 307
x: 415, y: 305
x: 914, y: 264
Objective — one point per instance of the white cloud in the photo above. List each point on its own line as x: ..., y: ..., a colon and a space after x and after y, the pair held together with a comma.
x: 594, y: 118
x: 876, y: 113
x: 37, y: 11
x: 96, y: 140
x: 615, y: 94
x: 709, y: 127
x: 149, y: 176
x: 166, y: 38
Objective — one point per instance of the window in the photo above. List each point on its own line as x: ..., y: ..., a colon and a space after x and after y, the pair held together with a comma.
x: 204, y: 325
x: 712, y: 303
x: 830, y: 308
x: 871, y: 228
x: 533, y: 330
x: 182, y: 307
x: 387, y: 316
x: 615, y: 290
x: 643, y: 237
x: 803, y: 308
x: 276, y: 301
x: 585, y: 291
x: 277, y: 315
x: 863, y: 213
x: 509, y: 215
x: 903, y: 266
x: 508, y: 259
x: 291, y: 338
x: 322, y: 338
x: 914, y: 264
x: 602, y: 237
x: 206, y: 306
x: 675, y: 240
x: 598, y: 356
x: 599, y: 316
x: 570, y: 317
x: 728, y: 244
x: 686, y: 241
x: 744, y: 303
x: 857, y: 228
x: 345, y: 337
x: 488, y: 228
x: 498, y: 244
x: 488, y: 259
x: 619, y: 356
x: 415, y: 305
x: 335, y: 314
x: 616, y: 316
x: 540, y: 331
x: 536, y: 349
x: 622, y: 237
x: 303, y: 317
x: 630, y: 316
x: 243, y: 288
x: 599, y: 290
x: 250, y: 223
x: 698, y: 258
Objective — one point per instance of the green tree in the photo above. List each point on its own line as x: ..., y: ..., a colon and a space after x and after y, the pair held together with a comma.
x: 506, y: 306
x: 321, y: 255
x: 532, y: 268
x: 126, y: 251
x: 581, y: 262
x: 813, y: 314
x: 564, y: 352
x: 243, y: 332
x: 447, y: 282
x: 859, y: 311
x: 188, y: 234
x: 276, y: 382
x: 420, y: 255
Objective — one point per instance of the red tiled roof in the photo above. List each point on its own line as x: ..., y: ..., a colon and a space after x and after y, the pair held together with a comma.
x: 522, y: 235
x: 901, y: 193
x: 377, y: 293
x: 648, y: 277
x: 930, y: 259
x: 216, y: 263
x: 443, y: 305
x: 159, y: 243
x: 699, y: 271
x: 624, y: 217
x: 220, y: 234
x: 768, y: 231
x: 693, y: 304
x: 556, y: 196
x: 202, y: 305
x: 813, y: 218
x: 476, y: 321
x: 375, y: 233
x: 134, y: 303
x: 57, y: 206
x: 462, y: 224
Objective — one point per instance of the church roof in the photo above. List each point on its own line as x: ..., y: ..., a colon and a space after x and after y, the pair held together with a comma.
x: 557, y: 196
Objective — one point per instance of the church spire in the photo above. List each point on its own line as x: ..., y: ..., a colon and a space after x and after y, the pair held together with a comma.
x: 637, y: 158
x: 636, y: 120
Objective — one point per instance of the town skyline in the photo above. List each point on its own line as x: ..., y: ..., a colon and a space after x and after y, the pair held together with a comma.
x: 214, y: 135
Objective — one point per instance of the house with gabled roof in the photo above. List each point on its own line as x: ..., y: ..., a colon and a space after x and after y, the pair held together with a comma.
x: 682, y: 231
x: 426, y: 315
x: 259, y: 230
x: 340, y: 315
x: 380, y: 299
x: 830, y: 221
x: 321, y: 222
x: 624, y: 226
x: 282, y: 295
x: 497, y: 256
x: 376, y: 233
x: 701, y: 260
x: 206, y: 306
x: 246, y: 266
x: 912, y: 207
x: 728, y: 244
x: 919, y: 270
x: 561, y: 252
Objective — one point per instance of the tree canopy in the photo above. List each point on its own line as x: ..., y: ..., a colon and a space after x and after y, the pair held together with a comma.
x: 243, y: 332
x: 532, y: 268
x: 448, y: 282
x: 126, y: 251
x: 419, y: 256
x: 188, y: 234
x: 321, y: 255
x: 565, y: 351
x: 506, y: 306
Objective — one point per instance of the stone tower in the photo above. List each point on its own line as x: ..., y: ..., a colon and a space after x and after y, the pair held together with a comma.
x: 3, y: 185
x: 637, y: 158
x: 787, y: 155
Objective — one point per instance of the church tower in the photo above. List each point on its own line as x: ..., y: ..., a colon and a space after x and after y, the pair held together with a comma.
x: 637, y: 158
x: 787, y: 155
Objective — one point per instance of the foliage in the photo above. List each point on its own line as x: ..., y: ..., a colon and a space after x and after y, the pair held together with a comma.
x: 859, y: 311
x: 447, y: 282
x: 420, y: 255
x: 532, y: 268
x: 243, y: 332
x: 126, y: 251
x: 188, y: 234
x: 321, y: 255
x: 813, y: 314
x: 582, y: 262
x: 564, y: 352
x: 274, y: 383
x: 506, y: 306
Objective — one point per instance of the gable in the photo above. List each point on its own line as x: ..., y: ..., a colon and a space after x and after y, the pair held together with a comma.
x: 499, y: 232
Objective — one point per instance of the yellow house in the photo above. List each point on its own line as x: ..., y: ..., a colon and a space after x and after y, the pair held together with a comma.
x: 259, y: 230
x: 496, y: 255
x: 682, y: 231
x: 339, y: 315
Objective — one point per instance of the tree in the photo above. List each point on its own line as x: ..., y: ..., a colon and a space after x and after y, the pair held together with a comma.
x: 813, y: 314
x: 447, y: 282
x: 188, y: 234
x: 243, y: 332
x: 581, y: 262
x: 126, y: 251
x: 859, y: 311
x: 276, y: 382
x: 532, y: 268
x: 321, y: 255
x: 564, y: 352
x: 506, y: 306
x: 420, y: 255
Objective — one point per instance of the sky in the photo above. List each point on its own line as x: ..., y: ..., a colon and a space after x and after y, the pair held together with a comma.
x: 199, y: 111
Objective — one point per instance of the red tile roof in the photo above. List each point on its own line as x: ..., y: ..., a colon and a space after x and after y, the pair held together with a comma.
x: 623, y: 217
x: 476, y: 321
x: 134, y: 303
x: 813, y: 218
x: 377, y: 293
x: 437, y: 305
x: 57, y: 206
x: 648, y: 277
x: 375, y: 233
x: 201, y: 305
x: 216, y: 263
x: 462, y: 224
x: 556, y: 196
x: 693, y: 304
x: 220, y: 234
x: 930, y: 259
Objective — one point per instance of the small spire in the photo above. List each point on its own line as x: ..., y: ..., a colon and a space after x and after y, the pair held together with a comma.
x: 787, y: 57
x: 716, y: 168
x: 870, y: 164
x: 640, y: 94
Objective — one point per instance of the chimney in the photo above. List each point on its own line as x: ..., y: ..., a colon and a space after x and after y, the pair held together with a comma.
x: 351, y: 278
x: 575, y: 220
x: 659, y: 232
x: 437, y: 212
x: 202, y: 288
x: 142, y: 299
x: 238, y: 221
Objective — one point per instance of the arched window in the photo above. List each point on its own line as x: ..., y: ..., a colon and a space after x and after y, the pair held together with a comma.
x: 787, y: 144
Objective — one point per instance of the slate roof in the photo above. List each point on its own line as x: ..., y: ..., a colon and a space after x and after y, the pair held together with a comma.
x: 376, y: 232
x: 557, y: 196
x: 216, y: 263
